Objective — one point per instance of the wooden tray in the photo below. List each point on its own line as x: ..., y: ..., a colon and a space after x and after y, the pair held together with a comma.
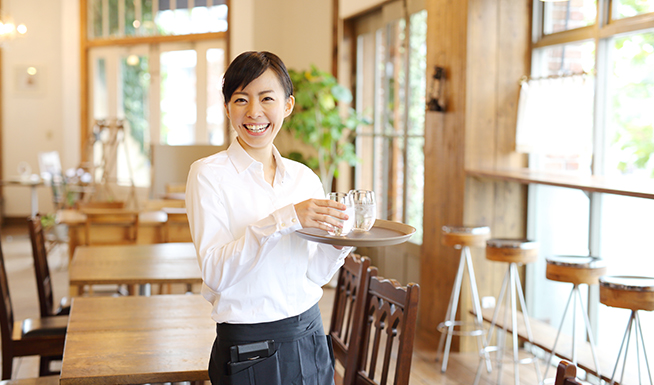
x: 383, y: 233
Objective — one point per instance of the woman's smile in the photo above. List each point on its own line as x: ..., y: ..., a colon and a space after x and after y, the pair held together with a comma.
x: 256, y: 128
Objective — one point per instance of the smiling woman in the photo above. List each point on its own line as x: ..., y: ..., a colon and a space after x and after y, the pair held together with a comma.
x: 244, y: 206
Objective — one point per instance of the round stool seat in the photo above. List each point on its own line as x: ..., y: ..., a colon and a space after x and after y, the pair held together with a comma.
x: 575, y: 269
x: 512, y: 250
x: 474, y: 236
x: 627, y: 292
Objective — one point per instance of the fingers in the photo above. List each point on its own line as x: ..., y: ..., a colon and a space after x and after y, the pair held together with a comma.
x: 321, y: 213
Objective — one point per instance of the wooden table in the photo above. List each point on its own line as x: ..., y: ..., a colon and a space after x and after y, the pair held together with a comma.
x: 151, y: 228
x: 137, y: 340
x: 160, y: 263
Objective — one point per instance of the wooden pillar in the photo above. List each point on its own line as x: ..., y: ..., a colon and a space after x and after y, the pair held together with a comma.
x: 484, y: 47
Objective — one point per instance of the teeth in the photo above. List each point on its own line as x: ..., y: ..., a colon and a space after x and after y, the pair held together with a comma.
x: 256, y: 128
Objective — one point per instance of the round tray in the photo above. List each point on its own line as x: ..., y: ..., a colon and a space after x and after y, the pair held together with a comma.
x: 383, y: 233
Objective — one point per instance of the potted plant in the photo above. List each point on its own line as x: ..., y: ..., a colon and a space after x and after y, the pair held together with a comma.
x: 318, y: 121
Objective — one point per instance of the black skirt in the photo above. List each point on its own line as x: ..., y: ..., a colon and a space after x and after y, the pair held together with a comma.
x: 302, y: 355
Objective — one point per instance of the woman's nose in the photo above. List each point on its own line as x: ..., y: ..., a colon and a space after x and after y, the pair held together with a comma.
x: 254, y: 110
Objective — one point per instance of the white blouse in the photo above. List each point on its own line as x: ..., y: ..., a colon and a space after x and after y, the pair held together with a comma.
x: 254, y: 267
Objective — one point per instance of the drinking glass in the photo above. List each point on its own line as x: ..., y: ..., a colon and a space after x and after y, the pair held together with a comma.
x: 365, y: 209
x: 345, y: 199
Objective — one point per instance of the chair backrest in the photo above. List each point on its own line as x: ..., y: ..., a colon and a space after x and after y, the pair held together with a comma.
x: 566, y: 374
x: 6, y: 311
x: 125, y: 220
x: 347, y: 312
x: 176, y: 217
x: 390, y: 314
x: 41, y: 269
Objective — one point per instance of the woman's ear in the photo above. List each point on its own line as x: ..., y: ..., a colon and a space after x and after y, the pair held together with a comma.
x: 227, y: 111
x: 290, y: 104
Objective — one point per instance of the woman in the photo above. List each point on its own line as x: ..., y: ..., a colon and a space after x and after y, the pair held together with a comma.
x: 244, y: 205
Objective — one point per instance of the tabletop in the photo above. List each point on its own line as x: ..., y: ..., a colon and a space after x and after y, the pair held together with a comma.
x: 136, y: 340
x: 134, y: 265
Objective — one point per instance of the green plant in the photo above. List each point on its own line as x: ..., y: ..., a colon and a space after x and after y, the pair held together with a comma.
x: 318, y: 121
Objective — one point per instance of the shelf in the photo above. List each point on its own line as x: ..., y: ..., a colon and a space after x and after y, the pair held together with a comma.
x: 608, y: 185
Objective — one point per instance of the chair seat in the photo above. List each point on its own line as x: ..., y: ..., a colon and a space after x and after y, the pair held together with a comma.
x: 475, y: 236
x: 627, y: 292
x: 512, y: 250
x: 47, y: 326
x: 575, y: 269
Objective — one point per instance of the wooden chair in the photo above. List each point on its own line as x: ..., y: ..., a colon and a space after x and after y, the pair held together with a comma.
x: 111, y: 218
x: 390, y: 314
x: 42, y: 337
x: 42, y: 271
x: 566, y: 374
x: 348, y: 314
x: 176, y: 218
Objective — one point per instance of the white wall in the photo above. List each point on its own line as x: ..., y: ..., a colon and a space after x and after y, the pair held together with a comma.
x: 43, y: 119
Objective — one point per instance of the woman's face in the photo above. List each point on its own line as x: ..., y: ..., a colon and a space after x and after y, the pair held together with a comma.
x: 257, y: 111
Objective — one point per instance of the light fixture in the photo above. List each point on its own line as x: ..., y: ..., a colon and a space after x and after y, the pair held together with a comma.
x: 9, y: 30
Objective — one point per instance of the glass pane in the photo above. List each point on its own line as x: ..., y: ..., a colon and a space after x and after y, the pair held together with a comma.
x: 100, y: 92
x: 178, y: 97
x: 565, y: 15
x: 215, y: 104
x: 147, y: 19
x: 218, y: 20
x: 130, y: 18
x: 417, y: 73
x: 415, y: 186
x: 630, y: 116
x: 628, y: 8
x: 561, y: 228
x: 114, y: 29
x: 95, y: 15
x: 565, y: 60
x: 136, y: 84
x: 626, y: 239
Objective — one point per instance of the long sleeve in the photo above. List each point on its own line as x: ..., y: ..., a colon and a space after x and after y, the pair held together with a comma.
x: 225, y: 259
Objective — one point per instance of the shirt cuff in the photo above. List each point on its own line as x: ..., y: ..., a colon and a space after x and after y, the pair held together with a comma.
x: 287, y: 220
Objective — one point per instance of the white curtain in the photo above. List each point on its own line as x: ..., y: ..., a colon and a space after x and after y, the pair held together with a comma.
x: 555, y: 116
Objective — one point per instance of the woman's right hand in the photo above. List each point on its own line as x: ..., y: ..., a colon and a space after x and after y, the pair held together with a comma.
x: 320, y: 213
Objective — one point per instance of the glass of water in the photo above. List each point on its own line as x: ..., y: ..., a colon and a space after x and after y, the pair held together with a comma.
x: 365, y: 209
x: 345, y: 199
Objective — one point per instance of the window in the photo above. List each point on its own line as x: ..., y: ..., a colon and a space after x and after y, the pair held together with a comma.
x: 167, y: 90
x: 619, y: 53
x: 391, y: 68
x: 123, y: 18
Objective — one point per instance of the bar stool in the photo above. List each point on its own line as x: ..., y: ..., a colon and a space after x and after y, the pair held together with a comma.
x: 634, y: 293
x: 577, y: 270
x: 462, y: 237
x: 514, y: 252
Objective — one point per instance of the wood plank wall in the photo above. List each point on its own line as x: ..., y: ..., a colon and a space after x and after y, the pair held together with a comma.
x: 484, y: 46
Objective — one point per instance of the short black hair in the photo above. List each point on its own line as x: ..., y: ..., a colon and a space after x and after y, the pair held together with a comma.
x: 250, y: 65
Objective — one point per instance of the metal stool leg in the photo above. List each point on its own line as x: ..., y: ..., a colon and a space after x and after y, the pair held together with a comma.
x: 642, y: 341
x: 558, y: 334
x: 627, y: 334
x: 634, y: 322
x: 451, y: 312
x: 525, y: 314
x: 476, y: 305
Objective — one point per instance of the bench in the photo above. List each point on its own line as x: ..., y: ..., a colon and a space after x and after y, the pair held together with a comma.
x: 544, y: 335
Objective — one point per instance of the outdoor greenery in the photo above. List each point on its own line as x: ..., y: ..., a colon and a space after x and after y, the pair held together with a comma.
x: 318, y: 121
x: 633, y: 96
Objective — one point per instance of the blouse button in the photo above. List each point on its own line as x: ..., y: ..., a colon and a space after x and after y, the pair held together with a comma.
x: 293, y: 220
x: 283, y: 224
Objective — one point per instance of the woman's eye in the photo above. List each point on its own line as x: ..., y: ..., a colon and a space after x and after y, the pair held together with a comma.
x: 240, y: 100
x: 268, y: 99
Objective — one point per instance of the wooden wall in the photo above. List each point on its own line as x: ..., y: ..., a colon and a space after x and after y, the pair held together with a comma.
x: 484, y: 46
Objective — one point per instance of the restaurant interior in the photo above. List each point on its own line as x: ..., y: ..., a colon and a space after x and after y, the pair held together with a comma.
x: 512, y: 138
